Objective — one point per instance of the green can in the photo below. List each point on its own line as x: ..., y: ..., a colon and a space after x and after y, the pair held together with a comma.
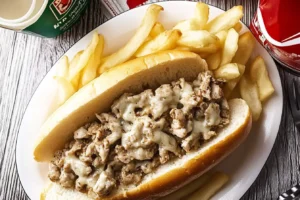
x: 48, y: 18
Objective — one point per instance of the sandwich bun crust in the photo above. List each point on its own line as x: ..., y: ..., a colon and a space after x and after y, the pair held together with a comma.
x: 175, y: 174
x: 134, y: 76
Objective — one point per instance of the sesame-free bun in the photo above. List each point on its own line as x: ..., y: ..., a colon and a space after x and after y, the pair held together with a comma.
x: 173, y: 175
x: 96, y: 97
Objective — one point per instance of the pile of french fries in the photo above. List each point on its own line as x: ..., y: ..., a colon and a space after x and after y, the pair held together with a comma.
x: 219, y: 41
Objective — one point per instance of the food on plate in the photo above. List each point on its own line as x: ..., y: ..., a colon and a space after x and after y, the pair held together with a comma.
x: 222, y: 37
x: 84, y: 57
x: 204, y: 181
x: 238, y: 27
x: 230, y: 46
x: 228, y: 72
x: 66, y: 89
x: 164, y: 41
x: 76, y: 79
x: 126, y: 52
x: 157, y: 29
x: 156, y: 116
x: 230, y: 85
x: 199, y: 41
x: 149, y: 118
x: 217, y: 181
x: 89, y: 73
x: 249, y: 92
x: 246, y: 45
x: 187, y: 25
x: 201, y: 14
x: 259, y: 74
x: 214, y: 60
x: 63, y: 67
x: 225, y: 20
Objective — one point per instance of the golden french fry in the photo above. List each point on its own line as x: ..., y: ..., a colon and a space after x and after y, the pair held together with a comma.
x: 203, y: 54
x: 164, y: 41
x: 259, y: 74
x: 222, y: 35
x: 246, y: 45
x: 73, y: 63
x: 238, y: 27
x: 226, y: 20
x: 89, y: 73
x: 214, y: 60
x: 136, y: 41
x: 211, y: 48
x: 157, y: 29
x: 216, y: 182
x: 63, y: 67
x: 65, y: 89
x: 181, y: 48
x: 230, y: 46
x: 230, y: 85
x: 189, y: 188
x: 187, y: 25
x: 84, y: 57
x: 228, y: 72
x: 201, y: 14
x: 249, y: 92
x: 198, y: 39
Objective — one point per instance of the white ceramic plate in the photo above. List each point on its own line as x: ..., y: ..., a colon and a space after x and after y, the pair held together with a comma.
x: 243, y: 165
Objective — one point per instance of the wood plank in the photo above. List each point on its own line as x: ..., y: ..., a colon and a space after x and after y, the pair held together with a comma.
x: 25, y: 59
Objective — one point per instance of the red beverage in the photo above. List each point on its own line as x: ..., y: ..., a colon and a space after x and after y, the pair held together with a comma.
x: 277, y: 26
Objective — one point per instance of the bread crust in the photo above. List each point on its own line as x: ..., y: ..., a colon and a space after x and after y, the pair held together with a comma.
x: 149, y: 71
x: 193, y: 168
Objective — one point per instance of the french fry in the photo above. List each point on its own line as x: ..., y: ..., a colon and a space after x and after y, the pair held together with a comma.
x: 189, y: 188
x: 201, y: 14
x: 214, y: 60
x: 90, y: 71
x: 84, y: 57
x: 199, y: 41
x: 65, y: 89
x: 211, y: 48
x: 226, y: 20
x: 187, y: 25
x: 73, y: 63
x: 157, y: 29
x: 216, y: 182
x: 164, y: 41
x: 246, y: 45
x: 249, y: 92
x: 228, y: 72
x: 230, y: 46
x: 181, y: 48
x: 136, y: 41
x: 222, y: 35
x: 259, y: 74
x: 230, y: 85
x: 238, y: 27
x: 63, y: 67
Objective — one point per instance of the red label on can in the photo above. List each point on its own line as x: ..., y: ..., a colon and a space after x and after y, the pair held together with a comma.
x: 275, y: 25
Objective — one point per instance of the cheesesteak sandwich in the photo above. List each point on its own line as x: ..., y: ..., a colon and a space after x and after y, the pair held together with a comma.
x: 141, y: 130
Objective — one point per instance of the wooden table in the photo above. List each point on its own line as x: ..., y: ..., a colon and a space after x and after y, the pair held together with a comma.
x: 25, y: 60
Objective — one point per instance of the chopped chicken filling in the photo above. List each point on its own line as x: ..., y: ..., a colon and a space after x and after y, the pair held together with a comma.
x: 141, y: 133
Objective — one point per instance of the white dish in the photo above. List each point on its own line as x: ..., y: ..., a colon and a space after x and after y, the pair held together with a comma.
x: 243, y: 165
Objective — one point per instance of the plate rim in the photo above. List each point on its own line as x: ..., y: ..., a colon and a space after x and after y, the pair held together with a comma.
x: 118, y: 15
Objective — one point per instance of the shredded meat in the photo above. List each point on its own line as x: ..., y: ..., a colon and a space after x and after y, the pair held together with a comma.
x: 142, y: 132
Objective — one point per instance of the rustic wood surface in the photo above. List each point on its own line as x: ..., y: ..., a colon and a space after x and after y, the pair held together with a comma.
x: 25, y: 60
